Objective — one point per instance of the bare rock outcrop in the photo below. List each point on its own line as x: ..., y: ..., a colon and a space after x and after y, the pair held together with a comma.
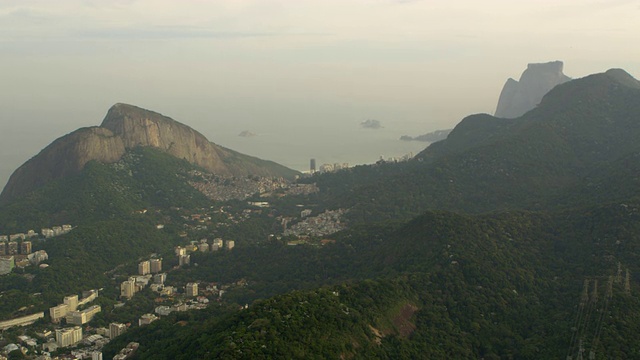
x: 126, y: 127
x: 518, y: 97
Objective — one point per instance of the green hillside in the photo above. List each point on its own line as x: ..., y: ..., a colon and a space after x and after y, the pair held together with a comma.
x: 145, y: 177
x: 448, y: 286
x: 581, y: 128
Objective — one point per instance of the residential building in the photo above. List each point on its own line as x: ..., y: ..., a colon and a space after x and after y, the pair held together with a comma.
x: 25, y: 247
x: 12, y: 248
x: 84, y: 316
x: 19, y: 236
x: 72, y: 301
x: 184, y: 260
x: 163, y: 310
x: 3, y: 248
x: 37, y: 257
x: 160, y: 278
x: 96, y: 355
x: 128, y: 289
x: 168, y: 291
x: 144, y: 267
x: 88, y: 296
x: 47, y: 233
x: 7, y: 263
x: 203, y: 247
x: 116, y: 329
x: 68, y: 336
x: 147, y: 319
x: 21, y: 321
x: 230, y: 244
x: 191, y: 289
x: 218, y: 242
x: 156, y: 265
x: 58, y: 312
x: 179, y: 250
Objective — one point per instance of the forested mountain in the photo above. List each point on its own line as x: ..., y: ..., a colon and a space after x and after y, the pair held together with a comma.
x: 513, y: 238
x: 126, y: 127
x: 582, y: 130
x: 504, y: 285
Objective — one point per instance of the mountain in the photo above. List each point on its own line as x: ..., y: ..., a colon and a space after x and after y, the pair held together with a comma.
x: 124, y: 128
x: 578, y: 133
x: 431, y: 137
x: 518, y: 97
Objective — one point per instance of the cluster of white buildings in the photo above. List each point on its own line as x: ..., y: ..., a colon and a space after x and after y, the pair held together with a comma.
x: 183, y: 252
x: 148, y: 270
x: 325, y: 168
x: 68, y: 310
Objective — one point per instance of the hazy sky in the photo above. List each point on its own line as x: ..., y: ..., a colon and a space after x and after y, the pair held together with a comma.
x: 301, y: 74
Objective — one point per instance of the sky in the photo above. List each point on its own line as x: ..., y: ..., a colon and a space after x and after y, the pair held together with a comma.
x: 301, y: 75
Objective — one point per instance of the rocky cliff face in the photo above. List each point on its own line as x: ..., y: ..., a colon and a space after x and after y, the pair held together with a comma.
x: 125, y: 127
x: 518, y: 97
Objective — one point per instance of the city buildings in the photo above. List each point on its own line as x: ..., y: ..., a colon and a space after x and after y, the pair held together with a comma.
x: 156, y: 265
x: 159, y: 278
x: 128, y: 288
x: 191, y: 289
x: 230, y: 244
x: 84, y: 316
x: 58, y: 312
x: 21, y: 321
x: 72, y: 302
x: 147, y: 319
x: 68, y: 336
x: 203, y: 247
x: 7, y: 263
x: 25, y: 247
x: 116, y: 329
x: 144, y: 267
x: 184, y: 260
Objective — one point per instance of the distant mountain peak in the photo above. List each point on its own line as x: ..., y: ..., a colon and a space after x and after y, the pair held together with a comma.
x: 123, y: 128
x: 623, y: 77
x: 518, y: 97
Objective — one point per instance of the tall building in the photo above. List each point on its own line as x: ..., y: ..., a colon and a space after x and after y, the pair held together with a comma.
x: 192, y: 289
x: 159, y: 278
x: 156, y: 265
x: 144, y: 267
x: 72, y: 302
x: 68, y: 336
x: 184, y: 260
x: 58, y: 312
x: 7, y: 263
x: 230, y: 244
x: 128, y: 289
x: 12, y: 248
x: 25, y: 247
x: 312, y: 166
x: 179, y: 250
x: 96, y: 355
x: 116, y: 329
